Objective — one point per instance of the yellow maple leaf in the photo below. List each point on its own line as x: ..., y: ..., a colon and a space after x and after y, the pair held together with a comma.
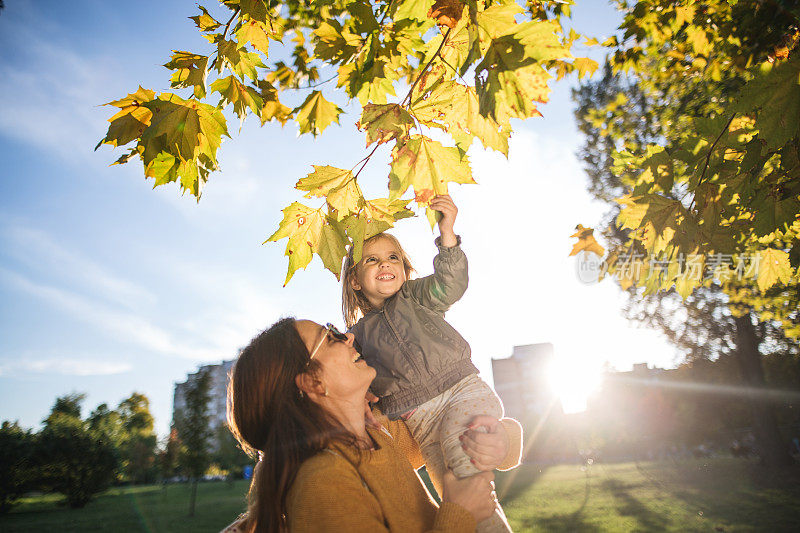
x: 586, y: 242
x: 773, y: 266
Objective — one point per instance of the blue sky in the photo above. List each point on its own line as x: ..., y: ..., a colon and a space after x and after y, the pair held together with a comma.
x: 109, y: 287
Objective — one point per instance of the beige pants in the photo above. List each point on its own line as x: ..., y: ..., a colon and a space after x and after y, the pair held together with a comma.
x: 436, y: 426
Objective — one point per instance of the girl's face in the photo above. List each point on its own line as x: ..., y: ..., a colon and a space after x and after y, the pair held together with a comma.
x: 345, y: 375
x: 380, y: 273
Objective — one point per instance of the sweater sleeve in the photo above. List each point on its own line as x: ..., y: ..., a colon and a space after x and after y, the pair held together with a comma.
x: 331, y: 497
x: 514, y: 455
x: 446, y: 285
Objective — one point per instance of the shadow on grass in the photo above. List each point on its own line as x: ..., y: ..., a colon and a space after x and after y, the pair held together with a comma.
x: 572, y: 521
x: 751, y: 496
x: 628, y: 505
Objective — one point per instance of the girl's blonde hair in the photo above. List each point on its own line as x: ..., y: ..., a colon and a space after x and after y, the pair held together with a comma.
x: 354, y: 303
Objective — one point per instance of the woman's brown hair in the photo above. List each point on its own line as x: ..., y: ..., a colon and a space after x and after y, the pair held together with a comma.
x: 354, y: 303
x: 272, y: 419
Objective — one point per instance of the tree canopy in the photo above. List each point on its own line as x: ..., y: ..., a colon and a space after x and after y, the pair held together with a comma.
x: 707, y: 186
x: 463, y: 68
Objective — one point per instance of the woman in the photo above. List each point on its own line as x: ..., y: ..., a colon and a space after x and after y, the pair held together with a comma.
x: 297, y: 397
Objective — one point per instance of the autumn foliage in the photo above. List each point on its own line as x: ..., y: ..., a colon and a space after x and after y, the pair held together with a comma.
x: 462, y: 67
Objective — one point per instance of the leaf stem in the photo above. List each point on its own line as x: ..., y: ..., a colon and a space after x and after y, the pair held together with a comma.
x: 216, y: 52
x: 708, y: 157
x: 365, y: 161
x: 407, y: 99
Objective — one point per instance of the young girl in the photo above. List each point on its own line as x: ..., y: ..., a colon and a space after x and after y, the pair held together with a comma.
x: 424, y: 372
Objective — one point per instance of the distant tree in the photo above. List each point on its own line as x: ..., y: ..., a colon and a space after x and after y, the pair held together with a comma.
x: 16, y: 447
x: 229, y: 455
x: 106, y: 421
x: 192, y: 423
x: 70, y: 457
x: 168, y: 456
x: 138, y: 442
x: 69, y: 405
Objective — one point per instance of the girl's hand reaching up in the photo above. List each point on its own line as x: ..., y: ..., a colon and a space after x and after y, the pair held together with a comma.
x: 444, y: 204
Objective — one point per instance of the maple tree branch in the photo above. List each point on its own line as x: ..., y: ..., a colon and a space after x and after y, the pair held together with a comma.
x: 365, y: 161
x: 421, y: 72
x: 385, y: 12
x: 216, y: 52
x: 228, y: 24
x: 708, y: 157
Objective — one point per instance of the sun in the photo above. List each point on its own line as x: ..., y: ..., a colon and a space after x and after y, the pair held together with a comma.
x: 573, y: 381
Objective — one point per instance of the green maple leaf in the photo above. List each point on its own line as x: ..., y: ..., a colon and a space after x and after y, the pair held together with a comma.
x: 773, y: 213
x: 190, y: 127
x: 257, y: 10
x: 205, y: 21
x: 359, y: 228
x: 131, y: 120
x: 775, y: 94
x: 510, y: 77
x: 190, y: 71
x: 255, y: 33
x: 241, y: 96
x: 323, y: 180
x: 272, y: 108
x: 454, y: 108
x: 316, y: 113
x: 411, y: 9
x: 338, y: 185
x: 370, y: 84
x: 385, y: 122
x: 658, y: 167
x: 163, y: 168
x: 237, y: 59
x: 427, y: 166
x: 773, y: 266
x: 332, y: 248
x: 334, y: 43
x: 656, y: 215
x: 386, y: 210
x: 497, y: 21
x: 302, y: 225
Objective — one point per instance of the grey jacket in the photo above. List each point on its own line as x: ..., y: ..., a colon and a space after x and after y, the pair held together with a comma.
x: 416, y: 353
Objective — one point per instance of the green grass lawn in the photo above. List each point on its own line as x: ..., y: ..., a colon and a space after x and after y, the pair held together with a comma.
x: 696, y: 495
x: 692, y: 495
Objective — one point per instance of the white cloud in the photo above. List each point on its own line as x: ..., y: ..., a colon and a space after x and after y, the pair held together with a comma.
x: 68, y: 366
x: 54, y: 95
x: 39, y: 251
x: 127, y: 326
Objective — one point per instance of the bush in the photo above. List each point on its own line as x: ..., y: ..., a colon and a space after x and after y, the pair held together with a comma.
x: 74, y: 460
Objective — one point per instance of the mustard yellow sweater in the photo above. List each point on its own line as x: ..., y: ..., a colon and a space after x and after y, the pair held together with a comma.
x: 344, y: 490
x: 350, y: 491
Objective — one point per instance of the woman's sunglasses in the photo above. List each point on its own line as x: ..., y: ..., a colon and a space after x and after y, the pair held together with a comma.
x: 331, y: 330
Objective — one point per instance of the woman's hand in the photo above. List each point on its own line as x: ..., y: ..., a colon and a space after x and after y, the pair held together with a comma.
x: 473, y: 493
x: 485, y: 442
x: 444, y: 204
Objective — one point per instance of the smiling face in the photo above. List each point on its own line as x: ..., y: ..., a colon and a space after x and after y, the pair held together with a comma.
x: 381, y: 271
x: 345, y: 374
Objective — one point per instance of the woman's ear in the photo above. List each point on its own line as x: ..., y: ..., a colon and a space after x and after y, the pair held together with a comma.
x: 354, y: 283
x: 309, y: 385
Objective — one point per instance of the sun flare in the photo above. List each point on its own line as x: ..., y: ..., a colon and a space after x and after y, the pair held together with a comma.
x: 573, y: 381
